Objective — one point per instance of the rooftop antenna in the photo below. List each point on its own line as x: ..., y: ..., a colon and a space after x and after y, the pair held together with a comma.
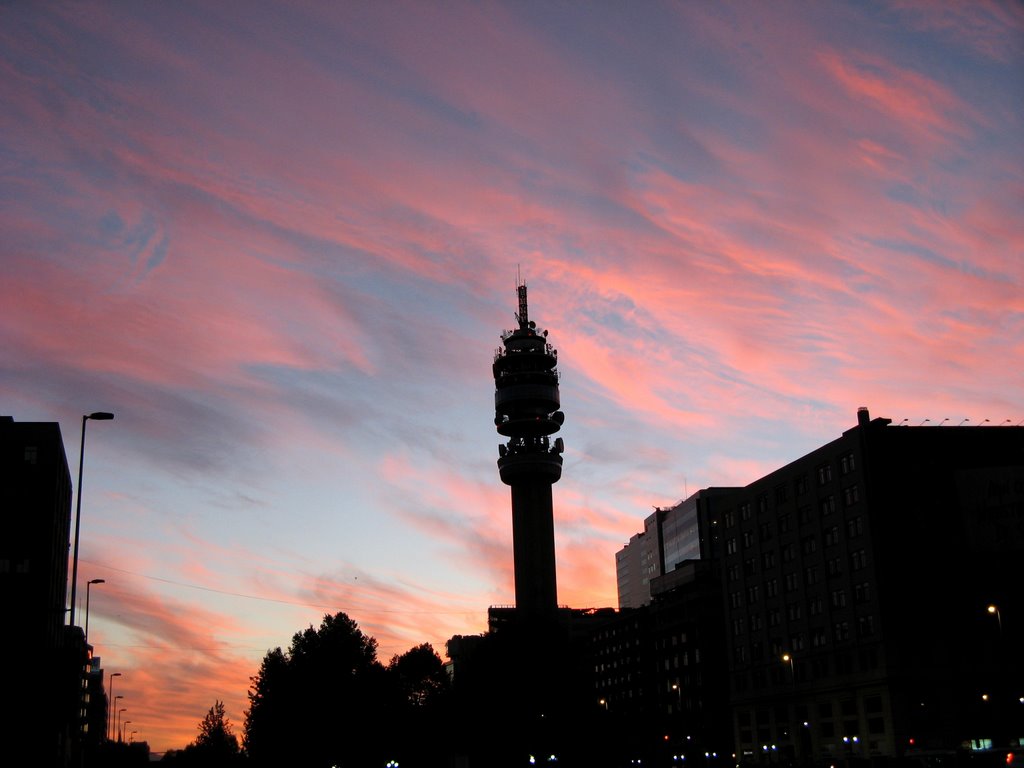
x: 523, y: 315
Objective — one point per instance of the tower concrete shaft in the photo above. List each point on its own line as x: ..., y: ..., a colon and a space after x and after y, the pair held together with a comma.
x: 526, y: 410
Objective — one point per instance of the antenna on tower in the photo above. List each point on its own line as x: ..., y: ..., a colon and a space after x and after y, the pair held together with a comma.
x: 523, y: 315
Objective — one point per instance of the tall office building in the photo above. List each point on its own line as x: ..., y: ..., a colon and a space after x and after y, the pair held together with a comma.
x: 870, y: 599
x: 526, y: 410
x: 671, y: 537
x: 35, y: 500
x: 858, y: 586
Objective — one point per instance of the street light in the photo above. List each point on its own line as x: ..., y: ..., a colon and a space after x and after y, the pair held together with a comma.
x: 994, y: 609
x: 124, y: 729
x: 88, y: 585
x: 789, y: 660
x: 113, y: 719
x: 117, y: 721
x: 98, y: 416
x: 111, y: 703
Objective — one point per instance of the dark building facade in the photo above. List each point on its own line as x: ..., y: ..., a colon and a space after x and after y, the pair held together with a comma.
x: 35, y: 500
x: 858, y: 581
x: 869, y: 597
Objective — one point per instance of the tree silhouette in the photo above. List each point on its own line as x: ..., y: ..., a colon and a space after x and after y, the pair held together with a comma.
x: 216, y: 746
x: 320, y: 703
x: 418, y: 717
x: 215, y: 733
x: 420, y: 676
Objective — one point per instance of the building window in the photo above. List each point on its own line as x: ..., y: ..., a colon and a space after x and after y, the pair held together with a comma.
x: 846, y: 463
x: 737, y: 626
x: 774, y: 618
x: 794, y: 612
x: 740, y: 654
x: 729, y: 519
x: 797, y: 642
x: 730, y: 547
x: 771, y: 588
x: 838, y: 598
x: 841, y: 631
x: 762, y: 503
x: 866, y: 626
x: 858, y: 559
x: 824, y: 474
x: 814, y: 606
x: 756, y: 622
x: 804, y: 514
x: 809, y: 544
x: 788, y: 553
x: 835, y: 566
x: 748, y: 539
x: 851, y: 495
x: 753, y: 594
x: 792, y: 582
x: 818, y: 637
x: 828, y: 505
x: 812, y: 575
x: 854, y: 527
x: 783, y: 523
x: 766, y: 531
x: 862, y: 592
x: 734, y: 572
x: 831, y: 536
x: 768, y: 559
x: 750, y: 566
x: 781, y: 494
x: 745, y: 511
x: 801, y: 484
x: 735, y: 599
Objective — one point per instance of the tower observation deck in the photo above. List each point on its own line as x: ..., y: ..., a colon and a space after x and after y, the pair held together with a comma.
x: 526, y: 410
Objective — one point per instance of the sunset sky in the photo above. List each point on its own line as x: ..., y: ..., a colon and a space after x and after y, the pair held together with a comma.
x: 280, y: 242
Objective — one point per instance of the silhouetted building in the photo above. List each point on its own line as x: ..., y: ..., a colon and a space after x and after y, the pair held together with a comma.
x: 35, y: 499
x: 663, y: 663
x: 858, y: 581
x: 869, y: 600
x: 671, y: 536
x: 526, y: 404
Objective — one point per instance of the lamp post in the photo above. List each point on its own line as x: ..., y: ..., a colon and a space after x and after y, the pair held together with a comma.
x: 113, y: 718
x: 117, y: 722
x: 994, y: 610
x: 97, y: 416
x: 124, y: 729
x: 111, y: 703
x: 88, y: 586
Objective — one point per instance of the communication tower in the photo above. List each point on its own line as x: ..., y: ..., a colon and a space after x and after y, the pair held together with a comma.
x: 526, y: 411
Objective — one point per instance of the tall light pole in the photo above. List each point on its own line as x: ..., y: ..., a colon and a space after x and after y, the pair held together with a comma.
x: 117, y: 722
x: 88, y: 586
x: 112, y: 714
x: 97, y: 416
x: 124, y: 729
